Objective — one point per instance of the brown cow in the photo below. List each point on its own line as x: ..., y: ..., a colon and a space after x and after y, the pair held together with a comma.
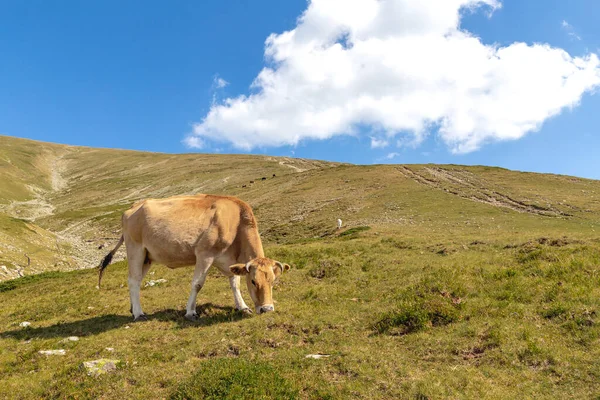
x: 197, y: 230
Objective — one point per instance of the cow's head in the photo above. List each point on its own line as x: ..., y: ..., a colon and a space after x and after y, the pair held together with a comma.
x: 261, y: 274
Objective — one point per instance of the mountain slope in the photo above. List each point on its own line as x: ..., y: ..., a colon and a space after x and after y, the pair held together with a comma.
x: 73, y: 197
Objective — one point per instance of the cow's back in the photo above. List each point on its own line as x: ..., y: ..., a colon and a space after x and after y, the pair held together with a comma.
x: 173, y: 229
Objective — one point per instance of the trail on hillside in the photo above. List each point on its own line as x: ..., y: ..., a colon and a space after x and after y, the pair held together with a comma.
x: 82, y: 253
x: 467, y: 186
x: 57, y: 170
x: 30, y: 210
x: 297, y: 169
x: 40, y: 205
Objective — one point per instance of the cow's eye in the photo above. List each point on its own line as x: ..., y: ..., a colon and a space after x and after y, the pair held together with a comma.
x: 253, y: 283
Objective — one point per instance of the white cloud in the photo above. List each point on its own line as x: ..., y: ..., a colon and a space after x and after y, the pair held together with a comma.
x: 219, y: 83
x: 570, y: 30
x: 193, y: 142
x: 391, y: 156
x: 378, y: 143
x: 398, y: 67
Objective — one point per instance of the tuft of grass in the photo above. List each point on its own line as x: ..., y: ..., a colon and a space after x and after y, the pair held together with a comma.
x: 325, y: 269
x: 416, y: 316
x: 353, y: 233
x: 411, y: 318
x: 234, y: 378
x: 556, y: 311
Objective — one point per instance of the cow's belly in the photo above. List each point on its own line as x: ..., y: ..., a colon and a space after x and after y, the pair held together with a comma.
x: 172, y: 257
x: 171, y: 248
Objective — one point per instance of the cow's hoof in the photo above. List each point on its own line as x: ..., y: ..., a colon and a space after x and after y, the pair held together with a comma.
x: 246, y: 311
x: 141, y: 317
x: 191, y: 317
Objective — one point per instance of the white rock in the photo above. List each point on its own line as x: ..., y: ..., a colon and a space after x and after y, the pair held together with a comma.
x: 71, y: 339
x: 111, y: 349
x: 59, y: 352
x: 101, y: 366
x: 318, y: 356
x: 154, y: 283
x: 25, y: 324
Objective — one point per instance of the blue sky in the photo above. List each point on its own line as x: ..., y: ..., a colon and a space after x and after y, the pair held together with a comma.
x: 141, y: 74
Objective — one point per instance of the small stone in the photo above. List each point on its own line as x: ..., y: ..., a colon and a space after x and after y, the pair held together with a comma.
x: 101, y: 366
x: 72, y: 339
x: 25, y: 324
x: 110, y: 349
x: 154, y: 283
x: 90, y: 308
x: 127, y: 326
x: 59, y: 352
x: 318, y: 356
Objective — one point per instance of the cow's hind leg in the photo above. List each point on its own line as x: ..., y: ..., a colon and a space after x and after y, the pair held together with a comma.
x: 135, y: 259
x: 145, y: 269
x: 203, y: 263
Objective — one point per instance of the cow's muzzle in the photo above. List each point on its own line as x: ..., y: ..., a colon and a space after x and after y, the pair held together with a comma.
x: 264, y: 309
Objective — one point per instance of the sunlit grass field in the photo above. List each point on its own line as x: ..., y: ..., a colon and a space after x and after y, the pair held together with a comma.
x: 490, y: 318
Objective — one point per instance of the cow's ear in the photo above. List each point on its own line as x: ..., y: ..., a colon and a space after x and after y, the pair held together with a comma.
x: 239, y: 269
x: 279, y: 268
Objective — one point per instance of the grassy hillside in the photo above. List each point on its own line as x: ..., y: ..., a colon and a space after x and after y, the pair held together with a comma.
x: 74, y: 196
x: 445, y: 282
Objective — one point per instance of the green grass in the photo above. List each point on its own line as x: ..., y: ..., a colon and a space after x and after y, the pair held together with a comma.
x: 234, y: 378
x: 16, y: 283
x: 401, y: 324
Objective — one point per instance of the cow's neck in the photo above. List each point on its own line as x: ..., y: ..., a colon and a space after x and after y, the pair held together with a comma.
x: 251, y: 245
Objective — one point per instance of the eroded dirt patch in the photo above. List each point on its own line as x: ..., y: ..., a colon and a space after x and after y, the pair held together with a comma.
x: 464, y: 184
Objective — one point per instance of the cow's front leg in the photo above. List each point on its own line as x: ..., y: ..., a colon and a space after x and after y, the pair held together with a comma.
x: 202, y: 266
x: 240, y: 304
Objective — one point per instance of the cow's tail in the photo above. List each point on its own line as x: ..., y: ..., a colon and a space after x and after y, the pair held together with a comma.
x: 106, y: 260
